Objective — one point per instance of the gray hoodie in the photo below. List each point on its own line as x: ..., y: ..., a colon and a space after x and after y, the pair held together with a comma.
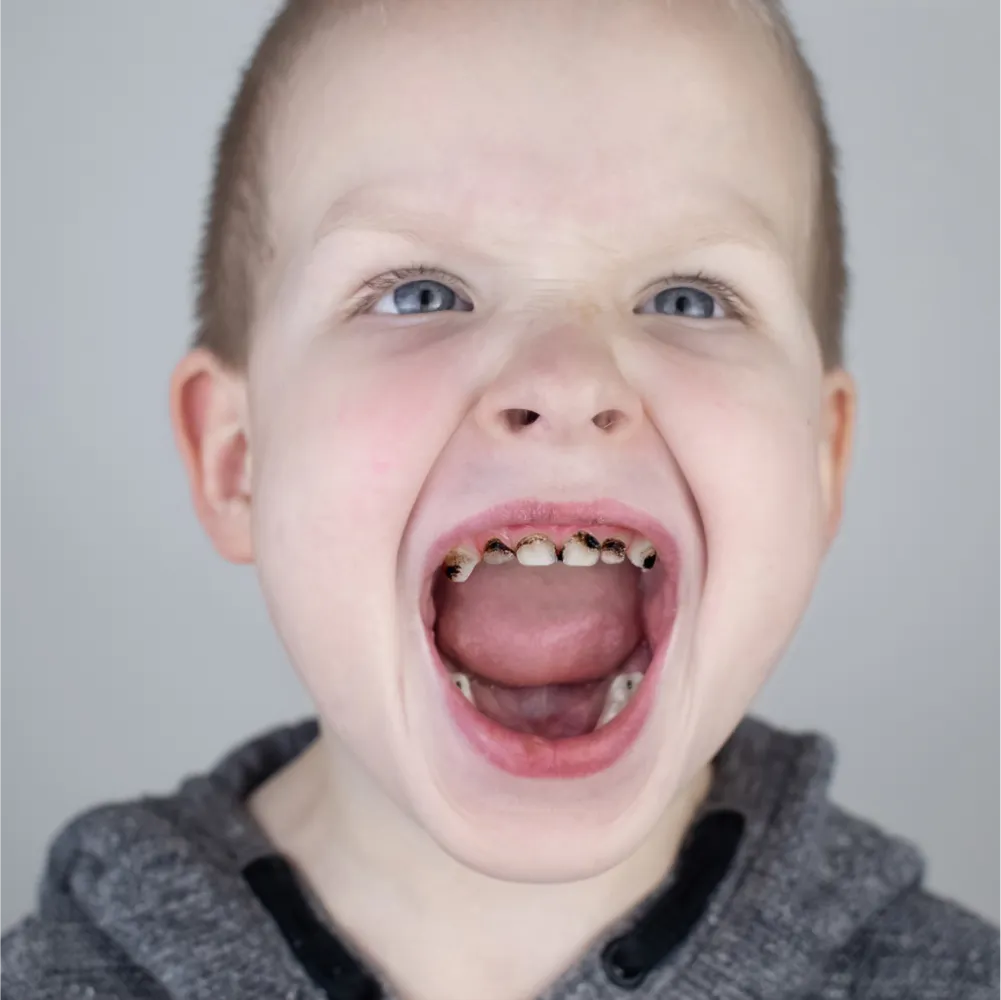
x: 777, y: 894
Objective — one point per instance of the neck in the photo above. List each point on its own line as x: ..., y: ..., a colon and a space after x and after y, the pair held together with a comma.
x: 434, y: 928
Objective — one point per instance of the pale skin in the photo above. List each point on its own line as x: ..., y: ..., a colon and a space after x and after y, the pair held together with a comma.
x: 558, y: 164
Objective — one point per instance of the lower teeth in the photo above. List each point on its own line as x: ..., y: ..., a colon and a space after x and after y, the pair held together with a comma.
x: 620, y: 693
x: 461, y: 681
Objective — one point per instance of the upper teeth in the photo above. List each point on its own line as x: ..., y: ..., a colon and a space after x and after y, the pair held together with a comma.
x: 536, y: 549
x: 613, y: 551
x: 459, y: 563
x: 581, y: 549
x: 496, y: 552
x: 642, y: 553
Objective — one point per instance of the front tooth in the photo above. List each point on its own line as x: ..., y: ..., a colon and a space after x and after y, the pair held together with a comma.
x: 581, y: 549
x: 613, y: 551
x: 642, y: 553
x: 459, y: 563
x: 461, y: 681
x: 496, y: 552
x: 620, y: 691
x: 536, y: 550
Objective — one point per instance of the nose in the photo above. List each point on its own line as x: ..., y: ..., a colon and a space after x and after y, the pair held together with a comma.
x: 564, y: 387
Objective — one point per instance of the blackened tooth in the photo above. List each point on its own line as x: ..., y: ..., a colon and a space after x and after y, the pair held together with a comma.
x: 642, y: 554
x: 496, y: 552
x: 613, y: 551
x: 459, y: 563
x: 536, y: 550
x: 579, y: 550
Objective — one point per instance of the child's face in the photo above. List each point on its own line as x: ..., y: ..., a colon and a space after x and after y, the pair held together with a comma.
x: 558, y: 161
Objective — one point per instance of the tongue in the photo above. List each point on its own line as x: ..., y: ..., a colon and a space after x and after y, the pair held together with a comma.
x: 546, y: 625
x: 554, y: 711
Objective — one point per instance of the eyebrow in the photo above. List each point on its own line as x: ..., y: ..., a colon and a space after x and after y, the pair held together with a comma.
x: 359, y: 210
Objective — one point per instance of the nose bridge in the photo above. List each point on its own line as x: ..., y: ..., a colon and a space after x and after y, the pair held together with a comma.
x: 562, y: 382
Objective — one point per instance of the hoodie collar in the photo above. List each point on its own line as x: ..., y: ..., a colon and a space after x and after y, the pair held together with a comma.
x: 802, y: 877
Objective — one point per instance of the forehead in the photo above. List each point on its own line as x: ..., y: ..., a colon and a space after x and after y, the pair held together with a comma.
x: 605, y: 121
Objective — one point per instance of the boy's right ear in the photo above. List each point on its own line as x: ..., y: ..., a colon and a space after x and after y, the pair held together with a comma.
x: 208, y: 411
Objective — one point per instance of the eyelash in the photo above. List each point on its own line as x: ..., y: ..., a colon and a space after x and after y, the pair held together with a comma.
x: 377, y: 287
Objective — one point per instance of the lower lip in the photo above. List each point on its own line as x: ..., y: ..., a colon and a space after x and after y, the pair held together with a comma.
x: 527, y: 756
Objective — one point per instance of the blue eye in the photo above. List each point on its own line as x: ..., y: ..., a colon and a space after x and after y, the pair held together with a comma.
x: 687, y: 303
x: 423, y: 296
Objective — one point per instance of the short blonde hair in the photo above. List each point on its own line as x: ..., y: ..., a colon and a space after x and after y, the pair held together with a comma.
x: 237, y: 244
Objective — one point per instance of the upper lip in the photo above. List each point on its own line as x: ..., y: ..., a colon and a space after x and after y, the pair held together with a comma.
x: 537, y: 512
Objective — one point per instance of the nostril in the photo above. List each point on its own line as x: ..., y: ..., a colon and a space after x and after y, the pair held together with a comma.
x: 516, y: 419
x: 607, y: 419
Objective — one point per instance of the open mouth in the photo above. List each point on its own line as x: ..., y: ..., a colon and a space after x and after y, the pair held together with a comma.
x: 547, y: 627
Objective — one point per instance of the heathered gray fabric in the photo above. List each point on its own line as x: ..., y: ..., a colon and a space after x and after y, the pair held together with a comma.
x: 145, y: 900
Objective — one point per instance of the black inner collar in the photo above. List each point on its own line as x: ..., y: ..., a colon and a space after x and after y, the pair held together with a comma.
x: 329, y: 964
x: 703, y: 861
x: 627, y: 960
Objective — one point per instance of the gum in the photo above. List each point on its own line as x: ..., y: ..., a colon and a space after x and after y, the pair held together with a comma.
x: 558, y: 535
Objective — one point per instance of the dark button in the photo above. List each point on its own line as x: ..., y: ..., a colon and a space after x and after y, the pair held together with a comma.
x: 622, y: 968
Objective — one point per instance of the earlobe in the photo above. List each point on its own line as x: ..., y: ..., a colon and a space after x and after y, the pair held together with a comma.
x: 838, y: 416
x: 208, y: 411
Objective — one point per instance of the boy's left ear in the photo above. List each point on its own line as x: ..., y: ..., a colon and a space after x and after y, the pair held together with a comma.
x: 837, y: 433
x: 209, y: 414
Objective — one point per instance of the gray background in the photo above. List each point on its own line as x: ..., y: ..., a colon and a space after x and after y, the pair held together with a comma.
x: 134, y: 655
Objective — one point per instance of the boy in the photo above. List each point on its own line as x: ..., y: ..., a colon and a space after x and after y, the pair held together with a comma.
x: 518, y: 379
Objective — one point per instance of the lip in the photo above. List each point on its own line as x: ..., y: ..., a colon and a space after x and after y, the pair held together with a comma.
x: 522, y: 754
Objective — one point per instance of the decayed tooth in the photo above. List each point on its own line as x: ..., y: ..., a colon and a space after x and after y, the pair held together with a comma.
x: 536, y: 550
x: 461, y: 681
x: 613, y: 551
x: 459, y: 563
x: 620, y: 691
x: 581, y: 549
x: 642, y: 553
x: 496, y: 552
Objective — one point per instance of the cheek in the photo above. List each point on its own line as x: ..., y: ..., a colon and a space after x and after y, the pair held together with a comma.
x: 340, y: 454
x: 746, y: 442
x: 348, y: 441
